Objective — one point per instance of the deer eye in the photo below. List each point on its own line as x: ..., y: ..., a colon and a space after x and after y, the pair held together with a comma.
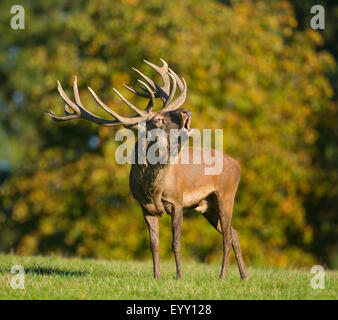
x: 159, y: 120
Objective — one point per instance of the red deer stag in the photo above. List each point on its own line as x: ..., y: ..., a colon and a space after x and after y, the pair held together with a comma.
x: 170, y: 187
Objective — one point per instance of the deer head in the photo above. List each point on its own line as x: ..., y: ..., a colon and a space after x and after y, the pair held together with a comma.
x: 167, y: 118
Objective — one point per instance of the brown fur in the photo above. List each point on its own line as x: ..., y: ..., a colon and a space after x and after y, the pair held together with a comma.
x: 171, y: 188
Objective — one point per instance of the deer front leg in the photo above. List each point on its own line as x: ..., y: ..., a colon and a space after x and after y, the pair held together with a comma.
x: 153, y: 226
x: 176, y: 220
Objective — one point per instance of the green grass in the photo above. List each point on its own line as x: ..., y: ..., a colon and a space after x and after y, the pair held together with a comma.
x: 61, y: 278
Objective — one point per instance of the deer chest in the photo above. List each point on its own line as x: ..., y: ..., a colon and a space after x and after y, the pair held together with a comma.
x: 147, y: 185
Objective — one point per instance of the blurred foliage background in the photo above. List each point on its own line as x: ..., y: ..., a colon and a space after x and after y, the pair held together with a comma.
x: 253, y: 68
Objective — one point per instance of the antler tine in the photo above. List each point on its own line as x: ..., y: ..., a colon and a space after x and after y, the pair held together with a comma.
x: 65, y: 98
x: 68, y: 116
x: 179, y: 82
x: 100, y: 121
x: 181, y: 98
x: 130, y: 88
x: 163, y: 72
x: 152, y: 101
x: 151, y: 82
x: 76, y: 92
x: 172, y: 92
x: 123, y: 120
x: 138, y: 111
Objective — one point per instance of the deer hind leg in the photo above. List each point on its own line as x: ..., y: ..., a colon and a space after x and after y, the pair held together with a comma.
x: 219, y: 215
x: 153, y: 226
x: 238, y: 253
x: 214, y: 218
x: 225, y: 213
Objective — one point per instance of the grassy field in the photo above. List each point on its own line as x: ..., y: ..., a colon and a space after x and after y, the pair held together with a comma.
x: 60, y: 278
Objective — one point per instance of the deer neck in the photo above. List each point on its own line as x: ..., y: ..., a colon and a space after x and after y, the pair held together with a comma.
x: 146, y: 165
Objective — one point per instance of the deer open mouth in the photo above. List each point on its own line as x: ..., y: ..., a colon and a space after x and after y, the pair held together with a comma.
x: 186, y: 123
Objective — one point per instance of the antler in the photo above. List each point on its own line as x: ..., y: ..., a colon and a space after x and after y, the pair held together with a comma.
x: 166, y: 93
x: 79, y: 111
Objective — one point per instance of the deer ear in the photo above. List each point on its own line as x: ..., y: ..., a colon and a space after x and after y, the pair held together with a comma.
x: 139, y: 127
x: 134, y: 127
